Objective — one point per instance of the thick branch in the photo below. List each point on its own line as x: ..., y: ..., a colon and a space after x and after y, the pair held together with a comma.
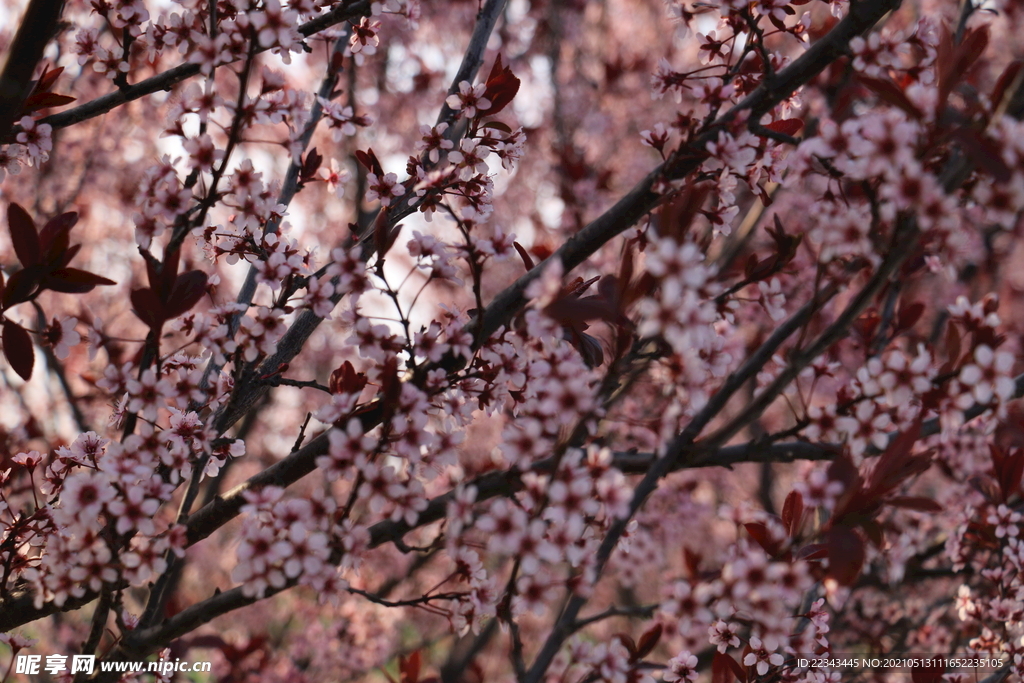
x: 36, y: 29
x: 473, y: 59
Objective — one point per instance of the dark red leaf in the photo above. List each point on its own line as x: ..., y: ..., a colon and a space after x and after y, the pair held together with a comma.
x: 45, y: 101
x: 725, y: 669
x: 971, y: 47
x: 346, y: 380
x: 384, y: 237
x: 168, y: 275
x: 676, y: 214
x: 608, y: 288
x: 844, y: 471
x: 496, y: 69
x: 23, y: 235
x: 410, y: 667
x: 187, y: 291
x: 793, y: 513
x: 777, y: 23
x: 692, y: 562
x: 311, y: 163
x: 785, y: 245
x: 55, y: 236
x: 873, y: 530
x: 954, y: 62
x: 1008, y: 78
x: 627, y: 641
x: 984, y: 152
x: 501, y: 86
x: 889, y: 92
x: 750, y: 268
x: 845, y: 554
x: 1008, y: 470
x: 897, y: 463
x: 579, y: 286
x: 814, y: 551
x: 525, y: 255
x: 542, y: 250
x: 786, y: 126
x: 568, y: 310
x: 48, y: 79
x: 759, y: 532
x: 152, y: 270
x: 648, y: 641
x: 74, y: 280
x: 66, y: 257
x: 909, y: 315
x: 590, y: 349
x: 626, y: 269
x: 18, y: 349
x: 369, y: 161
x: 148, y: 307
x: 498, y: 125
x: 944, y: 66
x: 866, y: 325
x: 953, y: 349
x: 390, y: 386
x: 21, y: 285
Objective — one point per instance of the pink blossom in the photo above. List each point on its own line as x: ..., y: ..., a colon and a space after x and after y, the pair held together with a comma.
x: 469, y: 99
x: 682, y: 667
x: 36, y: 140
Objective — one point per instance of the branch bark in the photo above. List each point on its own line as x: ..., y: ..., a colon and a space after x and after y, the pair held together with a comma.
x: 37, y: 28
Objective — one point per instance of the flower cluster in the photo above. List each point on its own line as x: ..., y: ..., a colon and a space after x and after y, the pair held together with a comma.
x: 555, y: 392
x: 289, y: 541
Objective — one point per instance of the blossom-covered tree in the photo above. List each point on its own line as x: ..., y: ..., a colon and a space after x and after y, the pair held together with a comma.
x: 514, y: 340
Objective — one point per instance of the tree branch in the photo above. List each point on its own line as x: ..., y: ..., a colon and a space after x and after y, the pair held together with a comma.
x: 168, y: 79
x: 473, y: 59
x: 19, y: 609
x: 638, y: 612
x: 248, y: 390
x: 902, y: 247
x: 641, y: 199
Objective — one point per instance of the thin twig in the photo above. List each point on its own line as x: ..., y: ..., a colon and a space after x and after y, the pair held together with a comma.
x: 638, y: 612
